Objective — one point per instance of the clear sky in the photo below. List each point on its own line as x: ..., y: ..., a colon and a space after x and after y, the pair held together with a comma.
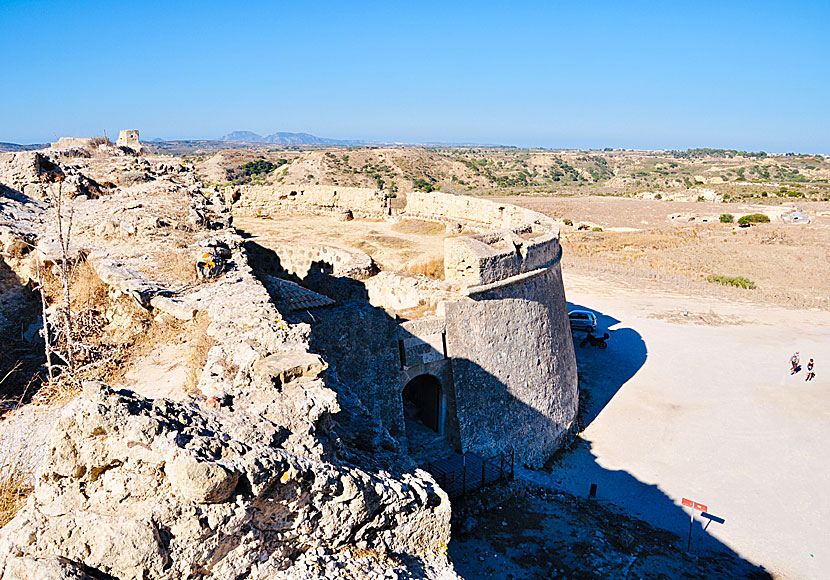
x: 745, y: 75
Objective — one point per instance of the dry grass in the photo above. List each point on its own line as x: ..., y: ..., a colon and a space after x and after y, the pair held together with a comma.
x: 102, y: 346
x: 15, y: 478
x: 419, y: 227
x: 786, y: 265
x: 433, y: 268
x: 176, y: 265
x: 15, y: 487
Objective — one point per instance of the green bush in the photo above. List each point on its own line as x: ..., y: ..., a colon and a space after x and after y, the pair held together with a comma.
x: 753, y: 218
x: 423, y: 185
x: 259, y: 166
x: 596, y: 229
x: 726, y: 218
x: 567, y: 222
x: 737, y: 281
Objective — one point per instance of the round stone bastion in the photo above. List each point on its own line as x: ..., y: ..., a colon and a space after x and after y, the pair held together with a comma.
x: 484, y: 359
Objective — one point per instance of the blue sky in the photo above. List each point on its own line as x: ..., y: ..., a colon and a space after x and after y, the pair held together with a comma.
x: 746, y: 75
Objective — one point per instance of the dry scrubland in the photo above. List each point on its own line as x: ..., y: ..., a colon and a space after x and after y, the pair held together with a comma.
x: 492, y: 171
x: 628, y: 194
x: 786, y: 262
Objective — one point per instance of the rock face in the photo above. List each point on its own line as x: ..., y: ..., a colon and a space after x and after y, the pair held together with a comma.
x: 271, y: 469
x: 141, y: 489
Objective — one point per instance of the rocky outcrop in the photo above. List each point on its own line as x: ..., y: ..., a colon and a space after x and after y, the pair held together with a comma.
x: 269, y: 470
x: 141, y: 489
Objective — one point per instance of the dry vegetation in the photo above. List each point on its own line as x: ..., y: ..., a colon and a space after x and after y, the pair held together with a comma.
x: 15, y: 486
x: 731, y: 175
x: 106, y: 328
x: 432, y: 268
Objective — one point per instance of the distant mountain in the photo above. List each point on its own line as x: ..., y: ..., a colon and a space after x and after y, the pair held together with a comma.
x: 282, y: 138
x: 12, y: 147
x: 243, y: 137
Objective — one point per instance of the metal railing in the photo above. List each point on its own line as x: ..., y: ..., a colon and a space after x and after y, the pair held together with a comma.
x: 469, y: 471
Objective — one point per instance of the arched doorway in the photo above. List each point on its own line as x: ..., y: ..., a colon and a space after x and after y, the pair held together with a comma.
x: 423, y: 402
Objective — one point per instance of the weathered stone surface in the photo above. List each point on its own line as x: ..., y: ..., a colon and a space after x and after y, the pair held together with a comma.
x: 201, y: 481
x: 44, y: 568
x: 290, y: 366
x: 148, y: 490
x: 177, y: 308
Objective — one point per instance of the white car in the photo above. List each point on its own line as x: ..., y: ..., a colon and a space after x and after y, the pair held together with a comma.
x: 582, y: 320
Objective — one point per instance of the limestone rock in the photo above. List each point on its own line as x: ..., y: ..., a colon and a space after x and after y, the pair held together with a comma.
x: 201, y: 481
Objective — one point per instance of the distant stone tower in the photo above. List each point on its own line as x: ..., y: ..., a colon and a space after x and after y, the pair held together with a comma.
x: 129, y: 138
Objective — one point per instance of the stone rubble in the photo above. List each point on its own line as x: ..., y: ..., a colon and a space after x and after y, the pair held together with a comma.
x: 259, y: 475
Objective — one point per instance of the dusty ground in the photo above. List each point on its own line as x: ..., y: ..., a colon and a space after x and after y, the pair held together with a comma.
x: 539, y: 533
x: 707, y: 409
x: 788, y: 263
x: 392, y: 246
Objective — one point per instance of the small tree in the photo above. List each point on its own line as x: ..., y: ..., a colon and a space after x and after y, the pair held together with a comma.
x: 726, y: 218
x: 753, y: 218
x: 64, y: 238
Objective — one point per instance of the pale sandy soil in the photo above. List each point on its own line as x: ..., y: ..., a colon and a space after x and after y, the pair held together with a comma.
x: 709, y: 412
x: 391, y: 245
x: 788, y: 263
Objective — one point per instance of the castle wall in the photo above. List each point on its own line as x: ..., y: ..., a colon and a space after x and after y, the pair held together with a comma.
x: 474, y: 211
x: 492, y: 256
x: 300, y: 259
x: 513, y: 365
x: 503, y: 352
x: 264, y: 200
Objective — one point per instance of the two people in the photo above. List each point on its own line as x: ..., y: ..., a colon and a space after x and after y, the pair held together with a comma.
x: 795, y: 361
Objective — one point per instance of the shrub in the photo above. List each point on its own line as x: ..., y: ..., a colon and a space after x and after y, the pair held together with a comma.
x: 701, y: 198
x: 753, y: 218
x: 567, y: 222
x: 596, y: 229
x: 726, y: 218
x: 258, y: 167
x: 737, y: 281
x: 423, y: 185
x: 433, y: 268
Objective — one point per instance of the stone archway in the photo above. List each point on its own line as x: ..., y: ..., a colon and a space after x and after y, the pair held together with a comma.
x: 424, y: 402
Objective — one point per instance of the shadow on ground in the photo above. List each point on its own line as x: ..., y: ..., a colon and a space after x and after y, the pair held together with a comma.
x: 536, y: 534
x: 604, y: 372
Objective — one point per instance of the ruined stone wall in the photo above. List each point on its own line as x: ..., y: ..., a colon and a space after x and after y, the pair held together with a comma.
x: 507, y: 364
x: 128, y: 138
x: 264, y: 200
x: 513, y: 366
x: 300, y: 259
x: 471, y: 211
x: 492, y: 256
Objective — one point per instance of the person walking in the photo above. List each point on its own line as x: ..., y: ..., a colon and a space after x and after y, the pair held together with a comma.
x: 810, y: 373
x: 794, y: 361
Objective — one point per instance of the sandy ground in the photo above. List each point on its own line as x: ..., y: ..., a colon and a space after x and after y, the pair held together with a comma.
x: 703, y: 406
x: 391, y: 245
x: 162, y: 372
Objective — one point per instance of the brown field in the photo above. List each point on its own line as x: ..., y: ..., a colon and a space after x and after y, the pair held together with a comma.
x: 788, y: 263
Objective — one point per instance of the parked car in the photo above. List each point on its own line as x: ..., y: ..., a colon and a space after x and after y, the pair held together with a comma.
x: 582, y: 320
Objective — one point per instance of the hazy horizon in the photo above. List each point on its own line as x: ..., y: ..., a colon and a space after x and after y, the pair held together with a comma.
x: 746, y: 76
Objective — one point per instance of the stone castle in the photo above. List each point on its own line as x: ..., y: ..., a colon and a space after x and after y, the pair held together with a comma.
x: 490, y: 363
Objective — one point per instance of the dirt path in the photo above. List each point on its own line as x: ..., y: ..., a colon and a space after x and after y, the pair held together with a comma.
x: 703, y: 406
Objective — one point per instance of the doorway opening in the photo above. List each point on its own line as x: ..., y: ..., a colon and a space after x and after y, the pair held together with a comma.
x: 423, y: 402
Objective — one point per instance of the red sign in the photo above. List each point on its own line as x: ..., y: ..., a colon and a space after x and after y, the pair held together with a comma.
x: 694, y: 505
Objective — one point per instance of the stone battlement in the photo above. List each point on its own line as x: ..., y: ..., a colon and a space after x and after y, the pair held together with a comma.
x: 264, y: 200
